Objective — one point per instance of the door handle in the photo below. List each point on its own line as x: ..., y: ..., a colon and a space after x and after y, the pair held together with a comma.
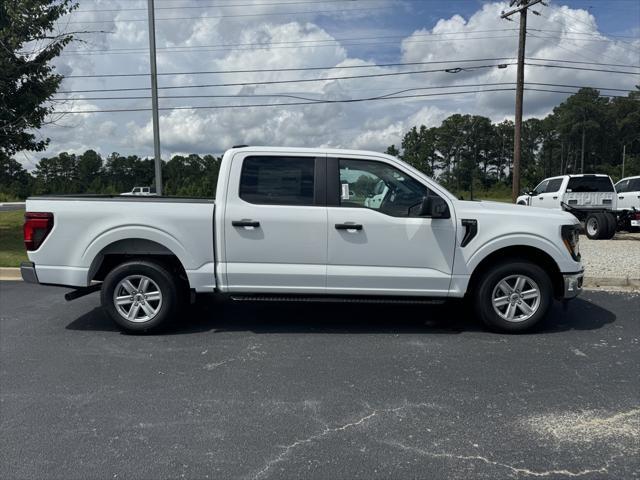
x: 621, y: 198
x: 245, y: 223
x: 555, y: 198
x: 348, y: 226
x: 540, y: 198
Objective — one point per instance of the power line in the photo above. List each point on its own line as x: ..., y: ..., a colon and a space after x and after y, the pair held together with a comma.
x: 238, y: 15
x: 350, y: 100
x: 343, y: 39
x: 299, y: 69
x: 181, y: 7
x: 373, y: 75
x: 263, y: 46
x: 346, y: 67
x: 582, y: 68
x: 300, y: 80
x: 299, y: 97
x: 316, y: 102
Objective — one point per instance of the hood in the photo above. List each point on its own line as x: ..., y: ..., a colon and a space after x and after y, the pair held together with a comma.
x: 466, y: 207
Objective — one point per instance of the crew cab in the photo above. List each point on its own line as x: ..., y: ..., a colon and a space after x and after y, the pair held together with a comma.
x: 589, y: 197
x: 299, y: 224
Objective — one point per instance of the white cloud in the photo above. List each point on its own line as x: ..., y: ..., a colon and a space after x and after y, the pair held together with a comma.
x: 561, y: 33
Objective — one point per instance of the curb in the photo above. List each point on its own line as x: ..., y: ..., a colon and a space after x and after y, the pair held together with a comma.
x: 13, y: 274
x: 8, y: 273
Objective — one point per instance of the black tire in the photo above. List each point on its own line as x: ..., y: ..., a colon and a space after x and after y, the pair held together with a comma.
x: 522, y: 202
x: 161, y: 280
x: 612, y: 225
x: 595, y: 226
x: 488, y: 284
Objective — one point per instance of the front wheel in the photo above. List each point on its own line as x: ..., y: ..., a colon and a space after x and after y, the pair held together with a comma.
x: 513, y: 296
x: 140, y: 295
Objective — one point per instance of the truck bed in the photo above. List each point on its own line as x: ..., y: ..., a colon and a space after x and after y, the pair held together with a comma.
x: 88, y: 227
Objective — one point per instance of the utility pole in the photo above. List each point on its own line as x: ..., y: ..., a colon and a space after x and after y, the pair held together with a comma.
x: 522, y: 6
x: 154, y: 96
x: 624, y: 152
x: 582, y: 150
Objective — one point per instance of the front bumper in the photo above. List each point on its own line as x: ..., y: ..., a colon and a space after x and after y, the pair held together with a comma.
x: 572, y: 284
x: 28, y: 272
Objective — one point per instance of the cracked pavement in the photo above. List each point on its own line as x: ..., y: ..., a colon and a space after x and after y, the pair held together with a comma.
x: 268, y: 391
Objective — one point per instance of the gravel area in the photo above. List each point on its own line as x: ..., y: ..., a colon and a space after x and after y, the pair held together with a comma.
x: 618, y: 257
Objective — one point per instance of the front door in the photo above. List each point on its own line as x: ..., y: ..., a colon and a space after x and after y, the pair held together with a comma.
x: 378, y: 243
x: 275, y: 224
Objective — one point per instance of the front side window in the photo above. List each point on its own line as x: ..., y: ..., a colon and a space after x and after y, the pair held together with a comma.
x: 381, y: 187
x: 553, y: 185
x: 621, y: 187
x: 272, y: 180
x: 541, y: 187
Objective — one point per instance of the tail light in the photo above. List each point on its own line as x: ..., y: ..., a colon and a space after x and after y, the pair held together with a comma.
x: 37, y: 226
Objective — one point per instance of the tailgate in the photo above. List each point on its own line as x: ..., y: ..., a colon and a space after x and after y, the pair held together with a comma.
x: 590, y: 199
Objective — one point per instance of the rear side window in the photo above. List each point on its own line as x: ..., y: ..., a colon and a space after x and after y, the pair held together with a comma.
x: 272, y: 180
x: 634, y: 185
x: 553, y: 185
x: 589, y: 184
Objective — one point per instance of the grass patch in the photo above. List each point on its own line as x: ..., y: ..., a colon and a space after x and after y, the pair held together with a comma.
x: 12, y: 250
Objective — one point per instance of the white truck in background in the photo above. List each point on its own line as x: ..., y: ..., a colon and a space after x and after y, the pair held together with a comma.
x: 286, y: 224
x: 592, y: 198
x: 145, y: 191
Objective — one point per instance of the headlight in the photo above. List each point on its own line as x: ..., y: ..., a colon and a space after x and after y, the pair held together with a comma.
x: 571, y: 240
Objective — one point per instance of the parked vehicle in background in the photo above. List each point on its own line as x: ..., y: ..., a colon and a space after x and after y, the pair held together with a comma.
x: 628, y: 190
x: 591, y: 198
x: 141, y: 191
x: 294, y: 224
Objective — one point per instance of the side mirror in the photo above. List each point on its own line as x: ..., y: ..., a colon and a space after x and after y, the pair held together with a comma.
x: 434, y: 207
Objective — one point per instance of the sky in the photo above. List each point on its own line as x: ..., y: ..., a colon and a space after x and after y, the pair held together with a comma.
x: 216, y: 36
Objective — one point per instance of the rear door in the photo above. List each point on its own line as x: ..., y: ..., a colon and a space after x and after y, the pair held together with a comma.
x: 275, y: 224
x: 380, y: 245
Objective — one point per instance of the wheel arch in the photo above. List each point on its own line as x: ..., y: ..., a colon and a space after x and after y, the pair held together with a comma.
x: 120, y: 251
x: 520, y: 252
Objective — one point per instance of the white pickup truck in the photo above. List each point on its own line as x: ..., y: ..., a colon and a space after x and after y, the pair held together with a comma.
x: 293, y: 224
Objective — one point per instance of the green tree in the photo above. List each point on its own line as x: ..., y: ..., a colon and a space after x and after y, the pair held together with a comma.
x: 15, y: 181
x: 28, y: 43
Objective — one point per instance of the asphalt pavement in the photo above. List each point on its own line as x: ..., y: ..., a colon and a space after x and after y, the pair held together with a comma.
x: 7, y: 207
x: 256, y: 391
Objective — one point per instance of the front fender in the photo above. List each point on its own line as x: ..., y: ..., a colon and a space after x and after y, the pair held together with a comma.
x: 555, y: 251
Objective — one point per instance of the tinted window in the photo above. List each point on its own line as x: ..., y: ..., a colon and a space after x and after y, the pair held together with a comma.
x: 634, y: 185
x: 541, y: 187
x: 277, y: 180
x: 381, y: 187
x: 622, y: 187
x: 589, y: 184
x: 553, y: 185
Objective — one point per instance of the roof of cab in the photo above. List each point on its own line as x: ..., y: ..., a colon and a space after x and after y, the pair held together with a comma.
x: 328, y: 151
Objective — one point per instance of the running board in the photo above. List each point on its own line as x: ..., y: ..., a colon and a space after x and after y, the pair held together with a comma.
x: 323, y: 299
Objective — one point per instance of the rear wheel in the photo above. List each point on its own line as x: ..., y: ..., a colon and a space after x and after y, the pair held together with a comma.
x: 140, y: 295
x: 596, y: 226
x: 513, y: 296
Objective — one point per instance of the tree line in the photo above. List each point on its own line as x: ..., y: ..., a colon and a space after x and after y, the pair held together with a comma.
x: 466, y: 153
x: 586, y: 133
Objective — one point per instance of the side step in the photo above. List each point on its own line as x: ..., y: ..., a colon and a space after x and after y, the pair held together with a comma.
x: 338, y: 299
